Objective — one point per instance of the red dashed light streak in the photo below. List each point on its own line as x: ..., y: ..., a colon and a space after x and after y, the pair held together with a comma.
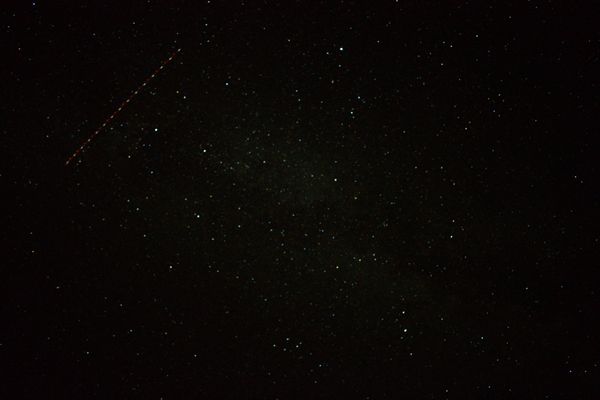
x: 121, y: 106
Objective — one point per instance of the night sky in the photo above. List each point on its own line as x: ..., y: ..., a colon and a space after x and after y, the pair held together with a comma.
x: 312, y: 199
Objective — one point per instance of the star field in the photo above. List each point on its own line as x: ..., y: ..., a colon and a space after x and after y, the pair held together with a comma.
x: 311, y: 200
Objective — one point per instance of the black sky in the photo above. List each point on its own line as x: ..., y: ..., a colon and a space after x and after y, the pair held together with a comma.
x: 324, y: 199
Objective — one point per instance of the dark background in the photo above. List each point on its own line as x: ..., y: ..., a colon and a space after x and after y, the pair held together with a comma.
x: 318, y: 199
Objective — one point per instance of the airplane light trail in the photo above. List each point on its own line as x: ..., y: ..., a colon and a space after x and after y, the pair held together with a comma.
x: 121, y: 106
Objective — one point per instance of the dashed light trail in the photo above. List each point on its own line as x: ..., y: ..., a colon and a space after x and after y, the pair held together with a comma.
x: 121, y: 106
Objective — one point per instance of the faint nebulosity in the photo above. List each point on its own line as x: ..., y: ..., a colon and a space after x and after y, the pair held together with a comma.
x: 319, y: 199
